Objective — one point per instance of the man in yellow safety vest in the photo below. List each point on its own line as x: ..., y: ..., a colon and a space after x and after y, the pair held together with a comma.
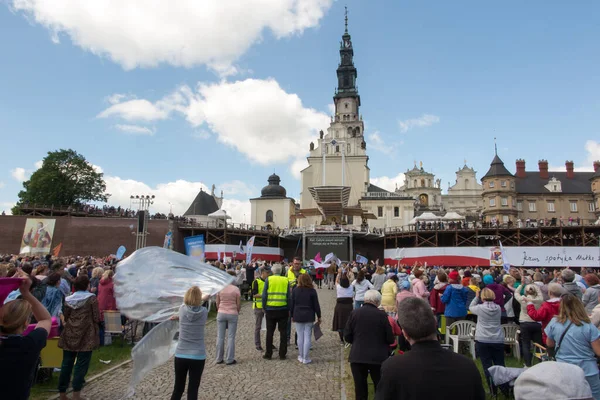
x: 275, y: 300
x: 294, y: 271
x: 257, y: 290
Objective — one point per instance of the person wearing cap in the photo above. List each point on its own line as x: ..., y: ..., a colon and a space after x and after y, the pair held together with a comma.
x: 455, y: 298
x: 259, y: 313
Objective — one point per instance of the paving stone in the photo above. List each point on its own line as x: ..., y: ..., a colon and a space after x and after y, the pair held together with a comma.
x: 252, y: 377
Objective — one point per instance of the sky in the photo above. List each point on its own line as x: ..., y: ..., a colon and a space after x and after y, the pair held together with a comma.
x: 167, y: 97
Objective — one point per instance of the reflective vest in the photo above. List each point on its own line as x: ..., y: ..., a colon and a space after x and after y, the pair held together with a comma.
x: 277, y: 291
x: 258, y: 301
x: 292, y: 277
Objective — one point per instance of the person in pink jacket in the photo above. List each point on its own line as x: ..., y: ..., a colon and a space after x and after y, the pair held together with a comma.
x: 418, y: 286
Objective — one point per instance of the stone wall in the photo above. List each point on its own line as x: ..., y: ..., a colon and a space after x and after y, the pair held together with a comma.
x: 85, y: 236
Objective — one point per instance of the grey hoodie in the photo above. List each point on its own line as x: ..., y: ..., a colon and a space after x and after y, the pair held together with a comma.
x: 573, y: 288
x: 590, y: 298
x: 192, y: 321
x: 489, y: 329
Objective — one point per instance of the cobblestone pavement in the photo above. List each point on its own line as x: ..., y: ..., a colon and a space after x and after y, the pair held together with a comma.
x: 252, y: 377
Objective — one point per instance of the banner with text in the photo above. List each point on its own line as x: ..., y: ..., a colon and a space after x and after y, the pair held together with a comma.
x: 194, y: 247
x: 337, y: 245
x: 492, y: 256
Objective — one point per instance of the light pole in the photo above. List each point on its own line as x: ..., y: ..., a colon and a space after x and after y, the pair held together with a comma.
x: 143, y: 202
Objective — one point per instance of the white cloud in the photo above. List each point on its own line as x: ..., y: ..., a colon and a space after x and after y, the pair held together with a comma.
x: 238, y: 188
x: 593, y: 149
x: 7, y: 207
x: 38, y: 164
x: 136, y: 110
x: 388, y: 183
x: 177, y: 195
x: 331, y: 108
x: 135, y: 129
x: 115, y: 98
x: 256, y: 117
x: 19, y: 174
x: 421, y: 122
x: 201, y: 134
x: 180, y: 33
x: 376, y: 142
x: 297, y: 166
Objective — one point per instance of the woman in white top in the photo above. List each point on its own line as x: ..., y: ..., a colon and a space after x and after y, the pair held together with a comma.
x: 361, y: 285
x: 343, y: 306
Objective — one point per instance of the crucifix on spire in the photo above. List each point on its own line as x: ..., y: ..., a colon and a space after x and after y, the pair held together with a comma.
x: 346, y: 20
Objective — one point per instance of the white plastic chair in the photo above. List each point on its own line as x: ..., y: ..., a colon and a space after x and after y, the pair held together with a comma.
x: 462, y: 331
x: 511, y: 338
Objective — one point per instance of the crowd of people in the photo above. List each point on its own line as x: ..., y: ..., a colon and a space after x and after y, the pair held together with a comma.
x: 390, y: 316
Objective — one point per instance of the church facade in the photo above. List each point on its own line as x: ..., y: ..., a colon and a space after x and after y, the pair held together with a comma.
x: 339, y: 159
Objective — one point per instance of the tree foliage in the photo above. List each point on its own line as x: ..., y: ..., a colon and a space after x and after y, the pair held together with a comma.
x: 65, y: 179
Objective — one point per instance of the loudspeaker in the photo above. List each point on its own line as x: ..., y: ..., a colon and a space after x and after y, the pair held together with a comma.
x: 141, y: 218
x: 481, y: 240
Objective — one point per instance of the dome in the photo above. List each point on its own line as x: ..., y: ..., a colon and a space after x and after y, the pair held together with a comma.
x: 273, y: 189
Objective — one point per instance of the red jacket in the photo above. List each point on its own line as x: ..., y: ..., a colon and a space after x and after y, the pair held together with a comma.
x: 544, y: 314
x: 435, y: 298
x: 106, y: 297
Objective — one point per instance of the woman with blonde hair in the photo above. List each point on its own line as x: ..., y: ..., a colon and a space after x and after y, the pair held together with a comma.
x: 19, y: 354
x: 378, y: 278
x: 106, y: 299
x: 190, y: 354
x: 530, y: 329
x: 575, y: 339
x: 489, y: 337
x: 95, y: 281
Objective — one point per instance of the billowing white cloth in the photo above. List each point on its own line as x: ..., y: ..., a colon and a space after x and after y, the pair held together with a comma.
x: 150, y: 286
x: 156, y: 348
x: 150, y: 283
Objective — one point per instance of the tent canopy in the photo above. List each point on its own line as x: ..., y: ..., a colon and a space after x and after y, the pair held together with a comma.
x: 453, y: 216
x: 219, y: 214
x: 428, y: 216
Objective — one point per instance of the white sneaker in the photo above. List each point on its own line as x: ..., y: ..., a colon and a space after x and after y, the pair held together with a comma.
x: 306, y: 361
x: 300, y: 359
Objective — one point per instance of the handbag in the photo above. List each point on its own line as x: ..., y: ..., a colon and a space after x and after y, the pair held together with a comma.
x: 553, y: 351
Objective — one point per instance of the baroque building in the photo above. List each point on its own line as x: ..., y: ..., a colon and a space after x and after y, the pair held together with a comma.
x: 541, y: 197
x: 465, y: 196
x: 273, y: 208
x: 339, y: 161
x: 422, y: 186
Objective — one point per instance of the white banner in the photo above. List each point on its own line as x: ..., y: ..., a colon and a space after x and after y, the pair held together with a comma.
x: 492, y: 256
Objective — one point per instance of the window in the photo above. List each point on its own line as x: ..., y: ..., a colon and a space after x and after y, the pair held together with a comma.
x: 350, y: 220
x: 396, y: 212
x: 591, y: 207
x: 492, y: 202
x: 269, y: 216
x: 554, y: 188
x: 380, y: 212
x: 491, y: 184
x: 504, y: 201
x: 349, y: 148
x: 337, y: 149
x: 519, y: 206
x: 573, y: 206
x: 505, y: 219
x: 422, y: 182
x: 346, y: 105
x: 503, y: 183
x: 532, y: 206
x: 415, y: 183
x: 550, y: 206
x: 512, y: 185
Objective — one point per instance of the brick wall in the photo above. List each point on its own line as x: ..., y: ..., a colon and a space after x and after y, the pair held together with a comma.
x: 85, y: 236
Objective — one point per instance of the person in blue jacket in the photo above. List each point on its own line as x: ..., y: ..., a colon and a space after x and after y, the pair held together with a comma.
x: 455, y: 298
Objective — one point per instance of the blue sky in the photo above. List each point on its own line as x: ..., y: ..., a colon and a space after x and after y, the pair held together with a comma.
x: 164, y: 99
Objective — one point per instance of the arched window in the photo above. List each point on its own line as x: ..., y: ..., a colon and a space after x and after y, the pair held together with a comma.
x: 422, y: 182
x: 466, y: 183
x: 349, y: 132
x: 415, y: 183
x: 269, y: 216
x: 357, y: 131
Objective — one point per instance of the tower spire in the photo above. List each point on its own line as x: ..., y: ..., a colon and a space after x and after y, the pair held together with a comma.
x: 495, y: 146
x: 346, y: 20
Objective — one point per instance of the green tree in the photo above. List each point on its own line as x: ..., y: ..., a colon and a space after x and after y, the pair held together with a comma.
x: 65, y: 179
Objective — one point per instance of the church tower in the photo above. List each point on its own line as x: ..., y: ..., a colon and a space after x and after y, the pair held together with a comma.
x: 343, y: 147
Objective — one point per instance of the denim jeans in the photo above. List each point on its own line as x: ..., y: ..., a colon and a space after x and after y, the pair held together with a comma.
x: 79, y: 372
x: 594, y: 381
x: 259, y: 314
x: 358, y: 303
x: 490, y: 354
x: 304, y: 331
x: 226, y: 322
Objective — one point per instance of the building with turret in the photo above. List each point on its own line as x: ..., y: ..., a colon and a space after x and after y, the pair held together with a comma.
x: 540, y: 197
x: 422, y: 186
x: 273, y: 208
x: 465, y: 196
x: 336, y: 185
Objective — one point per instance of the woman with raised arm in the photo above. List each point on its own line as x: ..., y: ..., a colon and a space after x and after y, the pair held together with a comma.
x: 19, y: 354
